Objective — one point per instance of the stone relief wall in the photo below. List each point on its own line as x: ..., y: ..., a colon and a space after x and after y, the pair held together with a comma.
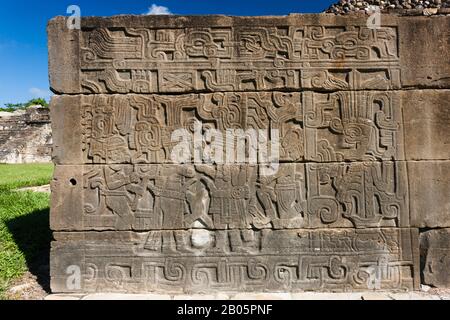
x: 26, y: 136
x: 363, y: 149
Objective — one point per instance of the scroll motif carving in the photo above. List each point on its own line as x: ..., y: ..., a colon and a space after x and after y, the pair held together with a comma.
x: 314, y: 260
x: 138, y: 129
x: 162, y: 133
x: 353, y: 126
x: 341, y: 126
x: 139, y: 60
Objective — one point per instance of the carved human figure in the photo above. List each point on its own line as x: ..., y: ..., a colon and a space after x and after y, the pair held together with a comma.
x: 368, y: 194
x: 230, y: 193
x: 147, y: 138
x: 171, y: 205
x: 280, y: 198
x: 120, y: 185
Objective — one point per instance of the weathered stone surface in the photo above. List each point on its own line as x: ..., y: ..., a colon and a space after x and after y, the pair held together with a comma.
x: 411, y: 125
x: 424, y: 55
x: 429, y: 190
x: 320, y: 127
x: 146, y: 197
x: 435, y: 254
x: 63, y: 51
x: 25, y: 136
x: 283, y: 260
x: 65, y: 112
x: 218, y: 53
x: 426, y: 115
x: 341, y: 210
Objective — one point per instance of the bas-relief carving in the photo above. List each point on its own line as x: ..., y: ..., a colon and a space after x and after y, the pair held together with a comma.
x: 146, y: 197
x: 341, y: 126
x: 131, y: 60
x: 334, y: 217
x: 138, y: 129
x: 353, y: 125
x: 267, y: 260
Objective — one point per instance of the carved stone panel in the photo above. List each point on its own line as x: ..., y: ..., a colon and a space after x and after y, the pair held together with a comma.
x: 141, y: 129
x: 319, y: 127
x: 353, y: 125
x: 427, y: 124
x: 429, y: 185
x: 205, y: 154
x: 237, y: 59
x: 148, y: 197
x: 238, y: 260
x: 435, y: 256
x: 261, y: 55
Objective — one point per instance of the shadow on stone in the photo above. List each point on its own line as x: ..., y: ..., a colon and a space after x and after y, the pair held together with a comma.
x: 32, y: 235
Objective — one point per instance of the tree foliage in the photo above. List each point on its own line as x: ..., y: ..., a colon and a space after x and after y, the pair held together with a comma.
x: 11, y: 107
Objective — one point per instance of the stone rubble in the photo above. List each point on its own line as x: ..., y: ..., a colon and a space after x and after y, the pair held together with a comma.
x: 25, y: 136
x: 352, y: 6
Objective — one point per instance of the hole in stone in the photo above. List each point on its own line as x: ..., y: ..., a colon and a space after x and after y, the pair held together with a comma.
x: 73, y: 182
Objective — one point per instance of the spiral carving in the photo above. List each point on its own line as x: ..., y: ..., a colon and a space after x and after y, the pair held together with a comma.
x: 174, y: 271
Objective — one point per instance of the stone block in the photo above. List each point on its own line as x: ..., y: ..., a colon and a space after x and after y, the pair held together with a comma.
x: 133, y: 54
x: 163, y: 197
x: 424, y: 55
x: 64, y: 61
x: 435, y: 255
x: 426, y: 115
x: 273, y: 261
x: 317, y: 127
x: 162, y: 128
x: 67, y: 132
x: 25, y: 136
x: 429, y: 193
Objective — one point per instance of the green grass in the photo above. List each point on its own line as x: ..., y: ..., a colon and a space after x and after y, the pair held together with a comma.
x: 13, y: 176
x: 24, y: 229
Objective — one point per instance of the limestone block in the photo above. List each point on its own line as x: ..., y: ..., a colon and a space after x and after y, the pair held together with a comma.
x: 64, y: 61
x: 25, y: 136
x: 134, y: 54
x: 153, y: 197
x: 435, y: 254
x: 338, y: 208
x: 429, y: 189
x: 269, y: 260
x: 318, y: 127
x: 424, y: 44
x: 426, y: 115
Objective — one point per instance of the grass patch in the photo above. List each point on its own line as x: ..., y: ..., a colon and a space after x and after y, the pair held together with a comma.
x: 24, y: 220
x: 13, y: 176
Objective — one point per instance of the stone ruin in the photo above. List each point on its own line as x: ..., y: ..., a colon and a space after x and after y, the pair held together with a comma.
x: 361, y: 198
x: 26, y: 136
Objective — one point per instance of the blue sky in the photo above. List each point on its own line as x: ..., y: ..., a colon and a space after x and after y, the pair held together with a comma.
x: 23, y: 39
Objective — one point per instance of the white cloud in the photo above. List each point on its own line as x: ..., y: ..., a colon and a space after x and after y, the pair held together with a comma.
x: 39, y: 93
x: 155, y: 9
